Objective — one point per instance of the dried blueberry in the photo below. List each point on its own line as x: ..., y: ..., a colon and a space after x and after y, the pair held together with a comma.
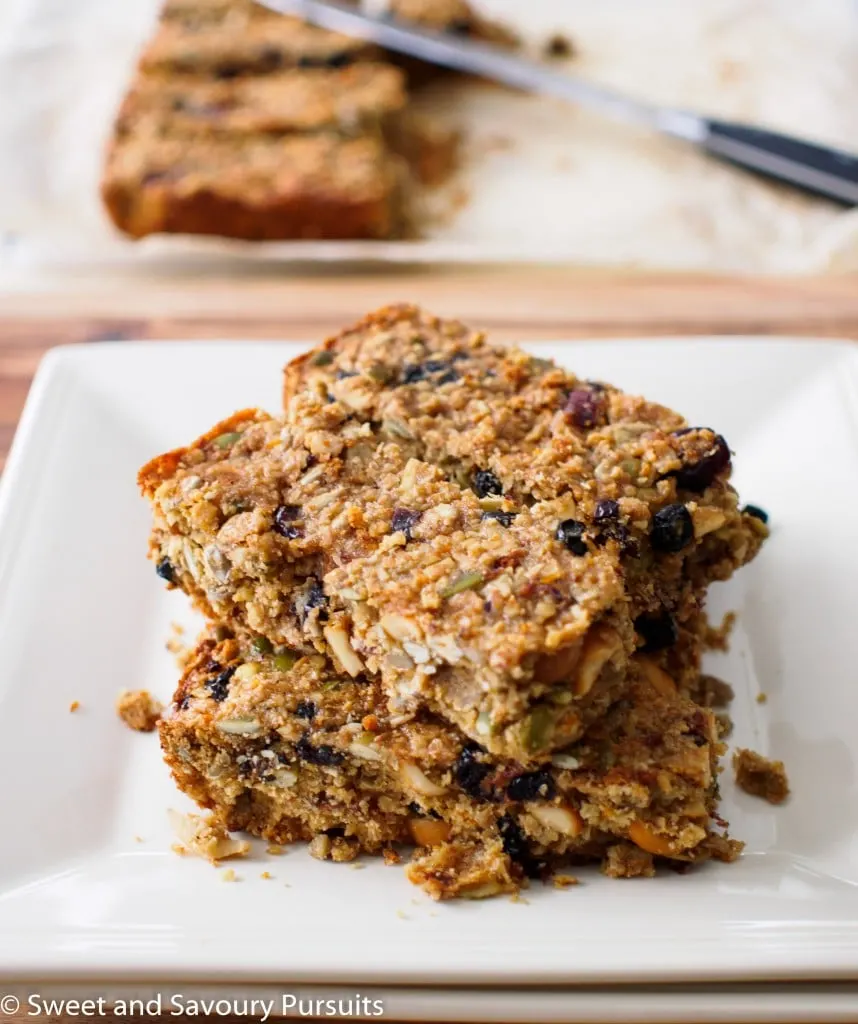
x: 421, y: 812
x: 314, y: 597
x: 270, y: 58
x: 516, y: 848
x: 404, y: 520
x: 219, y: 685
x: 306, y: 709
x: 470, y: 772
x: 748, y: 510
x: 584, y: 409
x: 450, y: 377
x: 658, y: 631
x: 224, y: 72
x: 698, y: 475
x: 504, y: 518
x: 570, y: 533
x: 284, y: 516
x: 486, y: 483
x: 531, y: 786
x: 165, y: 570
x: 413, y: 373
x: 606, y: 509
x: 672, y: 528
x: 338, y: 60
x: 323, y: 754
x: 460, y: 26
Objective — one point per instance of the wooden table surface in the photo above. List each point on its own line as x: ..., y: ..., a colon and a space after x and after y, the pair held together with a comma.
x: 512, y: 303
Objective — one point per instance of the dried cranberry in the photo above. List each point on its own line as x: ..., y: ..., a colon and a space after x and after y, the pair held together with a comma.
x: 165, y: 570
x: 486, y: 483
x: 322, y: 755
x: 570, y: 533
x: 404, y: 520
x: 219, y: 686
x: 698, y: 475
x: 748, y: 510
x: 516, y: 848
x: 284, y: 516
x: 531, y: 786
x: 470, y: 772
x: 584, y: 409
x: 658, y: 631
x: 306, y: 709
x: 672, y: 528
x: 504, y: 518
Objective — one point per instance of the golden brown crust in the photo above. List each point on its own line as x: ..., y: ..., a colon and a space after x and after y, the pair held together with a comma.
x: 301, y: 186
x: 162, y: 467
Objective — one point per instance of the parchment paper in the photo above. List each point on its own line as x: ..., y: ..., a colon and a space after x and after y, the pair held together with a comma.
x: 542, y: 181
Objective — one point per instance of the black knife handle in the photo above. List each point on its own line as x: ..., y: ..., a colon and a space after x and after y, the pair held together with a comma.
x: 820, y: 170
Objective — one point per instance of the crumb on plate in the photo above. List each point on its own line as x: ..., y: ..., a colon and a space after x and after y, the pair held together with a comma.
x: 717, y: 638
x: 564, y: 881
x: 760, y: 776
x: 139, y: 710
x: 206, y: 837
x: 558, y: 46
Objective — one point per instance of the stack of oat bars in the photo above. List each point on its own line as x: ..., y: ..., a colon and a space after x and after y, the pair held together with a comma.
x: 244, y: 123
x: 456, y: 600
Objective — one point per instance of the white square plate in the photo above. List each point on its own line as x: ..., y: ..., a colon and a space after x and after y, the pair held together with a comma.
x: 83, y: 616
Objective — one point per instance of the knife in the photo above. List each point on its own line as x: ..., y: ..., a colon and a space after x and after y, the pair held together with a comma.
x: 820, y: 170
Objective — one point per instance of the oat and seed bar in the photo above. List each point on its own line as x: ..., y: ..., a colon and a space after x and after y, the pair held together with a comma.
x: 499, y: 628
x: 245, y: 42
x: 515, y: 427
x: 455, y: 16
x: 354, y: 100
x: 289, y: 749
x: 313, y: 533
x: 256, y: 188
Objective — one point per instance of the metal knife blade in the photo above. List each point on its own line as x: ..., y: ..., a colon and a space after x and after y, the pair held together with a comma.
x: 821, y: 170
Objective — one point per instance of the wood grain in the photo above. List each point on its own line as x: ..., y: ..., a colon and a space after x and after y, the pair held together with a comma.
x: 512, y: 303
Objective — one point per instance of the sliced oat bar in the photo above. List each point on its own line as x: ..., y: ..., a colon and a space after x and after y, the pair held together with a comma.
x: 502, y: 629
x: 350, y: 101
x: 314, y: 533
x: 290, y: 750
x: 507, y: 424
x: 245, y: 42
x: 300, y: 186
